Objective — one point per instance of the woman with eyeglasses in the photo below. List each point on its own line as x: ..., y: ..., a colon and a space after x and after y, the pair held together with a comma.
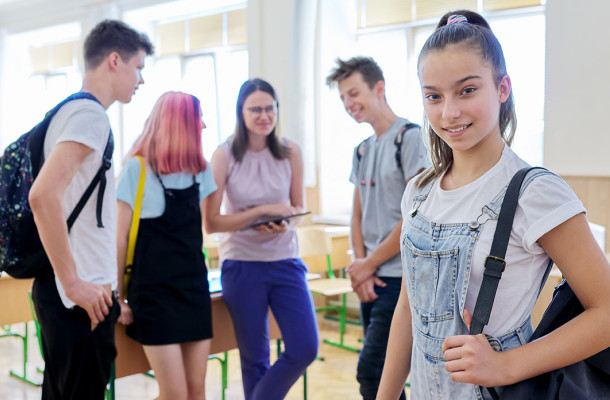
x: 260, y: 176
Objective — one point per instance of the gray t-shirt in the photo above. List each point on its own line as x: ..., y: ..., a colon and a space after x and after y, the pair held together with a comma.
x: 380, y: 201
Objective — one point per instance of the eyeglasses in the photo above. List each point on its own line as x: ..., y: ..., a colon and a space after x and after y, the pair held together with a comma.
x: 258, y: 111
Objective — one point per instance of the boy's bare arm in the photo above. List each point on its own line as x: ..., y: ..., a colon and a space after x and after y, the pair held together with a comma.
x: 46, y: 201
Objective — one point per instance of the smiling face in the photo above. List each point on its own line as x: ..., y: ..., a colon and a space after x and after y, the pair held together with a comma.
x: 130, y: 75
x: 361, y: 101
x: 462, y: 99
x: 260, y: 113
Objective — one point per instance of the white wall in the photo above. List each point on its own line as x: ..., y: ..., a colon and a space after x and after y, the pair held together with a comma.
x: 281, y: 50
x: 577, y: 93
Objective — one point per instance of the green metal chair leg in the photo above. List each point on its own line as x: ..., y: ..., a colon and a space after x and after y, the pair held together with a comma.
x: 111, y: 390
x: 24, y: 338
x: 342, y: 316
x: 224, y: 371
x: 305, y: 385
x: 347, y: 321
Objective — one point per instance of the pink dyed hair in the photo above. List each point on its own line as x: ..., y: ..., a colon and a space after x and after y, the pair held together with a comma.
x: 171, y: 140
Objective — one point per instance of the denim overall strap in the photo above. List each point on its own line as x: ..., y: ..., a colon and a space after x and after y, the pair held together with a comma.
x: 420, y: 197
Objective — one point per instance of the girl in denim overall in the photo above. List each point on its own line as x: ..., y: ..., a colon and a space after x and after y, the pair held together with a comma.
x: 449, y: 219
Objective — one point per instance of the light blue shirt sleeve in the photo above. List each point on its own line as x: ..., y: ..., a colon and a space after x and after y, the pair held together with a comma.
x: 127, y: 185
x: 207, y: 185
x: 153, y: 202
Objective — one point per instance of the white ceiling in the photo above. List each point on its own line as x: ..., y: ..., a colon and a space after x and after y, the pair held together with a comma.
x: 22, y: 15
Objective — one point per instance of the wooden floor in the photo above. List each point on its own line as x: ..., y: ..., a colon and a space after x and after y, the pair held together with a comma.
x: 333, y: 378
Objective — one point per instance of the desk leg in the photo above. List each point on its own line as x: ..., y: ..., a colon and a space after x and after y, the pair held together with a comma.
x: 224, y: 370
x: 22, y: 376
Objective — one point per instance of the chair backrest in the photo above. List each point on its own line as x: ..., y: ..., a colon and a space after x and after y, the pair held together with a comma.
x: 315, y: 248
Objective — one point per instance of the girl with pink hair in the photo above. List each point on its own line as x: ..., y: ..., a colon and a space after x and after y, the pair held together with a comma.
x: 169, y: 309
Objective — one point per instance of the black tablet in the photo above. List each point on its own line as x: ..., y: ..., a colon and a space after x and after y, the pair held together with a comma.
x: 277, y: 219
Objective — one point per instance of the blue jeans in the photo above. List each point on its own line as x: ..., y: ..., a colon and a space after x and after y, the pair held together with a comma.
x: 376, y: 320
x: 249, y: 288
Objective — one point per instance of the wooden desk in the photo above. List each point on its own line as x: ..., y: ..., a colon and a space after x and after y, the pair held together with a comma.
x: 15, y: 301
x: 132, y: 360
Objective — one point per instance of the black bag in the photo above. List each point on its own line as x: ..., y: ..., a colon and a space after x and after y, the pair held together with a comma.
x: 21, y: 252
x: 585, y: 380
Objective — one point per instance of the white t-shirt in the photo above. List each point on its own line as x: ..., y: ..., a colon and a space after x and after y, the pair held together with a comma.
x: 94, y: 249
x: 544, y: 204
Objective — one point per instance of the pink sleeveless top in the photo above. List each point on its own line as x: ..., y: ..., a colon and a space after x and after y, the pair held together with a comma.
x: 258, y: 179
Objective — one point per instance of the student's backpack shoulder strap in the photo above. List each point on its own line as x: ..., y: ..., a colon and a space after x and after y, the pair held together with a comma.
x: 36, y: 149
x: 39, y: 132
x: 360, y: 150
x: 398, y: 142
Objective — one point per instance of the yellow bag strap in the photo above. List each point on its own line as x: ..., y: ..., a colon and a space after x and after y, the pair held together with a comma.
x: 135, y: 219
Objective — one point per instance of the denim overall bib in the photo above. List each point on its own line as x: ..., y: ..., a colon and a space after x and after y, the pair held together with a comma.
x: 437, y: 260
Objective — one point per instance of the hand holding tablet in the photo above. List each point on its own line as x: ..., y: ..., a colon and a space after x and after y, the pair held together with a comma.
x: 277, y: 220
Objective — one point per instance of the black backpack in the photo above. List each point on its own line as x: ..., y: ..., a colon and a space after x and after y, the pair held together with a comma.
x: 21, y: 252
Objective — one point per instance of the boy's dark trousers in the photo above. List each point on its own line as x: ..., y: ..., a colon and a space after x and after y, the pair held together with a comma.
x: 77, y: 360
x: 376, y: 321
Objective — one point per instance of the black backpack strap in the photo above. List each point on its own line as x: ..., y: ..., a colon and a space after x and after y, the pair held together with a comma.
x: 360, y: 149
x: 36, y: 144
x: 36, y: 147
x: 495, y: 262
x: 100, y: 177
x: 398, y: 142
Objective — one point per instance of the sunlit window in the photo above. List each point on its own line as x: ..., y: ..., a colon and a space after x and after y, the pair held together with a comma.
x: 27, y: 94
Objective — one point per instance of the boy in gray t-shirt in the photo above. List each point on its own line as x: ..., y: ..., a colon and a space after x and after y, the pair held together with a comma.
x: 382, y: 166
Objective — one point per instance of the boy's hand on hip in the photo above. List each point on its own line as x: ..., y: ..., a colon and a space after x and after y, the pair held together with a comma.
x: 93, y: 298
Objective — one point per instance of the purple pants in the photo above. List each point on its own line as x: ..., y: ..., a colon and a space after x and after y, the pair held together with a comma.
x: 249, y: 288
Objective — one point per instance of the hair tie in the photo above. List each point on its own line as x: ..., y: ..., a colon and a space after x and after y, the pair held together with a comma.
x: 456, y: 18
